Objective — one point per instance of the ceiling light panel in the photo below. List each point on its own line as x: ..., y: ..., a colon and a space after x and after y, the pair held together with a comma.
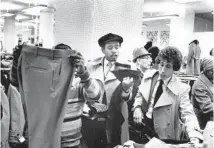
x: 34, y: 10
x: 7, y: 6
x: 36, y: 2
x: 160, y: 17
x: 20, y: 17
x: 187, y: 1
x: 6, y: 14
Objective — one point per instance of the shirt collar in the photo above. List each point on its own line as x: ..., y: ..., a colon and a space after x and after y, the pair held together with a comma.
x: 138, y: 68
x: 105, y: 62
x: 166, y: 81
x: 170, y: 84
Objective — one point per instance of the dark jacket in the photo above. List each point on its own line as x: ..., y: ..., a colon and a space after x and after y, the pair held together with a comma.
x: 202, y: 100
x: 16, y: 55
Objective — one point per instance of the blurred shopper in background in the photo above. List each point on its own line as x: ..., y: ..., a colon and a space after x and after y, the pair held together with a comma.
x: 202, y: 93
x: 154, y: 50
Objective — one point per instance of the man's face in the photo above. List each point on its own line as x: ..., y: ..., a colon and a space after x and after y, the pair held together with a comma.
x: 165, y: 69
x: 145, y: 61
x: 110, y: 50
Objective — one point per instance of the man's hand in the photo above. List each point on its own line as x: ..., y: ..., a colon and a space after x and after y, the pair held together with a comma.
x: 127, y: 84
x: 138, y: 115
x: 194, y: 141
x: 80, y: 65
x: 129, y: 144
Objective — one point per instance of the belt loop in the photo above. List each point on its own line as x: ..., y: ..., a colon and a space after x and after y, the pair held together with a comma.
x: 35, y: 51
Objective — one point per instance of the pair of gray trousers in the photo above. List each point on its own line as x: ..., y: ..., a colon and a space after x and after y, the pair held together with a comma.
x: 44, y: 78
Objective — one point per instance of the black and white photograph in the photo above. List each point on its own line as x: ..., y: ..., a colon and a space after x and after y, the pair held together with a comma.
x: 107, y: 73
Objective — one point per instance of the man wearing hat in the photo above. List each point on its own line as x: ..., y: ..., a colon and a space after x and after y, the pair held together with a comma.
x: 193, y: 58
x: 142, y: 58
x: 117, y: 93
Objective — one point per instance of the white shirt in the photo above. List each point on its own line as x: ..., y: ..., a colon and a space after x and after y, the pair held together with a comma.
x: 106, y: 66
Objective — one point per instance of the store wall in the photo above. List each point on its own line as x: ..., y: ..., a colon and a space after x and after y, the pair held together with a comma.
x: 81, y: 23
x: 157, y: 32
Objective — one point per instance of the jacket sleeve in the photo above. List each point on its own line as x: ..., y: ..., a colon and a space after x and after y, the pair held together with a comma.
x: 138, y: 101
x: 187, y: 114
x: 90, y: 86
x: 203, y: 99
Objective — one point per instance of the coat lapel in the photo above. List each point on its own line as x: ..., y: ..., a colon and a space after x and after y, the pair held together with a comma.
x: 96, y: 69
x: 164, y: 100
x: 110, y: 76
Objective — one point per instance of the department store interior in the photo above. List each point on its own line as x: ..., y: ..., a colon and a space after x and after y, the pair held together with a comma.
x: 80, y: 24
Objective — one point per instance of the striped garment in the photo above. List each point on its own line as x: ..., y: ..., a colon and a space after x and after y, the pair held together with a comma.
x: 71, y: 127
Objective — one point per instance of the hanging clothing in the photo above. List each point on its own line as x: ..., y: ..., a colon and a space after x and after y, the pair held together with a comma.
x: 5, y: 119
x: 193, y: 61
x: 17, y: 118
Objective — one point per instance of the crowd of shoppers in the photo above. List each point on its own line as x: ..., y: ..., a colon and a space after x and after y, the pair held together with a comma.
x: 92, y: 108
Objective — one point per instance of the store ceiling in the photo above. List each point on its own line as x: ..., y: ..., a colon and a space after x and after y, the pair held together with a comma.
x: 151, y: 7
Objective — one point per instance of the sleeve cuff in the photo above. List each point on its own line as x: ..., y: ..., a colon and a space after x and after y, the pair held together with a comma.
x: 84, y: 76
x: 195, y: 134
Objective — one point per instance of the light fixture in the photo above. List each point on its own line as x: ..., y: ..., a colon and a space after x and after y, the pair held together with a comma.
x: 25, y: 30
x: 212, y: 12
x: 187, y: 1
x: 7, y: 14
x: 144, y: 25
x: 35, y: 10
x: 9, y: 5
x: 20, y: 17
x: 160, y: 17
x: 24, y: 24
x: 168, y: 24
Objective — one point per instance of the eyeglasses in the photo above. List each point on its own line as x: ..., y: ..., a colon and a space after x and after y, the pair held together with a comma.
x: 145, y: 57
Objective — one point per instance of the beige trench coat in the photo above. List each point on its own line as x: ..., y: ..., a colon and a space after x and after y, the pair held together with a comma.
x: 193, y: 61
x: 171, y: 110
x: 117, y: 104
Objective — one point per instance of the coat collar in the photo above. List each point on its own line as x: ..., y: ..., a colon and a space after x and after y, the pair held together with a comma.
x: 172, y: 85
x: 98, y: 61
x: 207, y: 82
x: 165, y: 99
x: 99, y: 64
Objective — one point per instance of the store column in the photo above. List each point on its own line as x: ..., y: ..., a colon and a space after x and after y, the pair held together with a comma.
x: 46, y: 26
x: 181, y: 30
x: 10, y: 40
x: 81, y: 23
